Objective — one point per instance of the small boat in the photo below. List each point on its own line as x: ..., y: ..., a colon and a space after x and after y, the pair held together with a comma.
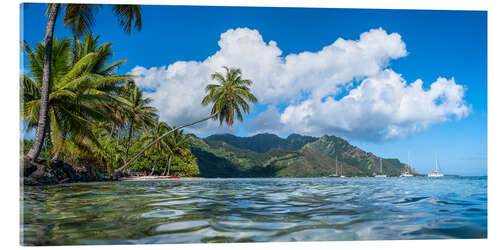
x: 341, y: 171
x: 172, y: 177
x: 336, y: 168
x: 407, y: 169
x: 436, y: 173
x: 381, y: 175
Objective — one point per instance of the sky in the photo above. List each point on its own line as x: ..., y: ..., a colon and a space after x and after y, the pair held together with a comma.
x: 388, y: 81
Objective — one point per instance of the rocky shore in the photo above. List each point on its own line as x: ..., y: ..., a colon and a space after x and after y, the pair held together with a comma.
x: 36, y: 174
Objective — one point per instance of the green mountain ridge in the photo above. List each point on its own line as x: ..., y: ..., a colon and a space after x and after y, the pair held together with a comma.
x: 262, y: 143
x: 268, y: 155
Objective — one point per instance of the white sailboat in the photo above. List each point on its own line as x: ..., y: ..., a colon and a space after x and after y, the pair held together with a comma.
x: 381, y: 175
x: 341, y: 170
x: 336, y: 169
x: 436, y: 173
x: 407, y: 169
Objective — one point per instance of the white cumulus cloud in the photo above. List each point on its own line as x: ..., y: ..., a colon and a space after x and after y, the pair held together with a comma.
x: 381, y: 107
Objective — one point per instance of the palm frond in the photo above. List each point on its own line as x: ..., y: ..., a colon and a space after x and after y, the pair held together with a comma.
x: 128, y: 14
x: 229, y: 97
x: 80, y: 17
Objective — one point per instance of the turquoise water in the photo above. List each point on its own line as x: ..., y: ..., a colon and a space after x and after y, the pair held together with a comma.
x: 255, y: 210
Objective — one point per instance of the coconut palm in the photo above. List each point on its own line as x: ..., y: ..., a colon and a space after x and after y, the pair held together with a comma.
x: 160, y: 147
x: 77, y: 96
x: 177, y: 145
x: 114, y: 109
x: 80, y: 17
x: 138, y: 113
x: 90, y: 44
x: 228, y: 97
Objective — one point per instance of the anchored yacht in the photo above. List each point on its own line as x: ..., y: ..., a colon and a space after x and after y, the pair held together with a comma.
x: 436, y: 172
x: 381, y: 175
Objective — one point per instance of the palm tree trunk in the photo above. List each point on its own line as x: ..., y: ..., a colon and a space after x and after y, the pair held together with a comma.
x: 44, y: 105
x: 56, y: 155
x: 158, y: 139
x: 48, y: 141
x: 154, y: 167
x: 167, y: 169
x: 130, y: 131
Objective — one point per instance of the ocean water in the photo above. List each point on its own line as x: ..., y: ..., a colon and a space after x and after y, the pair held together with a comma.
x: 255, y: 210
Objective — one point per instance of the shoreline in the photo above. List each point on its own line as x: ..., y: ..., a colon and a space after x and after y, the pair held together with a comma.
x: 148, y: 178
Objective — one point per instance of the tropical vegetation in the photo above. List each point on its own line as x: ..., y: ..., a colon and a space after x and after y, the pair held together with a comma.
x: 83, y: 112
x: 96, y: 115
x: 80, y: 17
x: 228, y: 98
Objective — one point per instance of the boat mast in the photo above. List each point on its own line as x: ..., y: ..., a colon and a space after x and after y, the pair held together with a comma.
x: 409, y: 164
x: 436, y: 156
x: 438, y: 166
x: 336, y: 166
x: 380, y: 165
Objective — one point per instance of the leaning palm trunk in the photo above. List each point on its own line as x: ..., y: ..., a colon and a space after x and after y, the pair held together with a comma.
x: 167, y: 169
x: 158, y: 139
x: 44, y: 105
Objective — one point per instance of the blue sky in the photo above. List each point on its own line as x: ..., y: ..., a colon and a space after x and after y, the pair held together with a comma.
x: 448, y: 44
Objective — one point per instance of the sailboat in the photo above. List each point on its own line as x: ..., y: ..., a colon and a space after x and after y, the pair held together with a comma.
x: 336, y: 169
x: 381, y: 172
x: 436, y: 173
x: 341, y: 170
x: 407, y: 168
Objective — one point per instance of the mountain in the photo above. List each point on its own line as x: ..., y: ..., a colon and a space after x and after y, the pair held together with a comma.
x: 267, y: 155
x: 262, y: 143
x: 364, y: 161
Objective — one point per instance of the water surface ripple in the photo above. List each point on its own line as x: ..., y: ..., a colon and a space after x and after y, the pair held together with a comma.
x: 255, y: 210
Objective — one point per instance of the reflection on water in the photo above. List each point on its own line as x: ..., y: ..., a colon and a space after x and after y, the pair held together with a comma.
x: 255, y: 210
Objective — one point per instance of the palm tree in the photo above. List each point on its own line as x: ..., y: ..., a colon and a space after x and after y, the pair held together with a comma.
x: 115, y: 109
x: 177, y: 145
x: 230, y: 95
x: 160, y: 147
x: 78, y: 93
x: 80, y: 17
x: 138, y: 114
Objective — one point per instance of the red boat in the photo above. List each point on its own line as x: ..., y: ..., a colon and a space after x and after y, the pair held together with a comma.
x: 173, y: 177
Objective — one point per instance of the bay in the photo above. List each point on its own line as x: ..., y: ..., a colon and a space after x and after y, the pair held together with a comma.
x: 255, y: 210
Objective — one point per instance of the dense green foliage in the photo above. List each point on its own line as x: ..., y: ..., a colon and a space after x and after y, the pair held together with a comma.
x: 80, y: 17
x: 96, y: 115
x: 267, y: 155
